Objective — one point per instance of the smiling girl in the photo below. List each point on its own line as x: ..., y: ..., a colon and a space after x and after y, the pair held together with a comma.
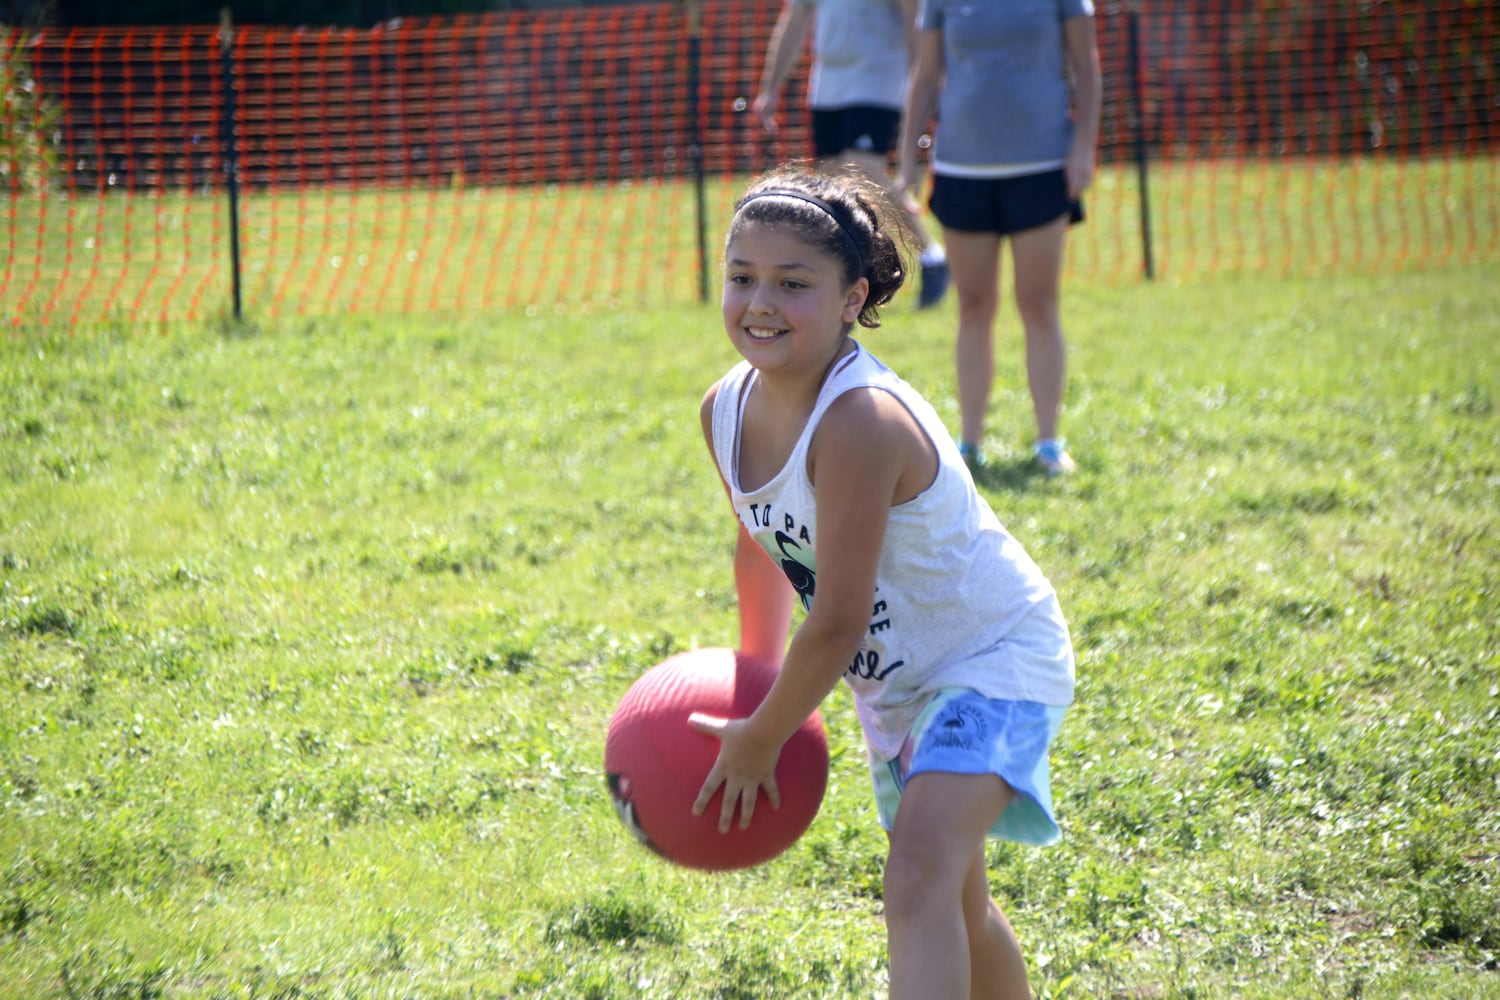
x: 853, y: 500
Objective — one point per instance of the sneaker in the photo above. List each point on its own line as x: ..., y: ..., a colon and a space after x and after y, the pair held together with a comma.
x: 971, y: 454
x: 934, y: 284
x: 1053, y: 458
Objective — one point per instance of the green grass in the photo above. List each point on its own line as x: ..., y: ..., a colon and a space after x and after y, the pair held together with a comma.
x: 138, y: 258
x: 309, y: 637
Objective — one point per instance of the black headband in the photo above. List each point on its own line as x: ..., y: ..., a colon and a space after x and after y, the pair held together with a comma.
x: 837, y: 215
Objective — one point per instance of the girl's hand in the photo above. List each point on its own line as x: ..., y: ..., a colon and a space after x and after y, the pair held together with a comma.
x: 764, y: 109
x: 743, y: 767
x: 1079, y: 170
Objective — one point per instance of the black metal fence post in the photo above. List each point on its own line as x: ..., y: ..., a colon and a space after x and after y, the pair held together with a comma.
x: 231, y: 149
x: 695, y: 137
x: 1137, y: 72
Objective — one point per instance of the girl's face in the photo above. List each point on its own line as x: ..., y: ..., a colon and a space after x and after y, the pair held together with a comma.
x: 786, y: 306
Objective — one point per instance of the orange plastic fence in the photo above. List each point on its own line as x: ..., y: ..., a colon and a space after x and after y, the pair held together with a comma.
x: 555, y: 158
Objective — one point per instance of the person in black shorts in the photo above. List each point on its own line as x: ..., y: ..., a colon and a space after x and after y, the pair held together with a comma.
x: 861, y: 54
x: 1016, y: 89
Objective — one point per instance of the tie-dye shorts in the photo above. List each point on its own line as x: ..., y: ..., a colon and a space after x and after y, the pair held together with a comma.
x: 962, y: 732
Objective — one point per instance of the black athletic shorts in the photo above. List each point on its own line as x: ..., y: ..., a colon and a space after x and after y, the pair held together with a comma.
x: 861, y: 126
x: 1003, y: 205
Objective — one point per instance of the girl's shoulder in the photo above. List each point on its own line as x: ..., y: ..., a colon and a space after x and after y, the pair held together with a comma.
x: 735, y: 378
x: 730, y: 385
x: 861, y: 368
x: 870, y: 436
x: 862, y: 411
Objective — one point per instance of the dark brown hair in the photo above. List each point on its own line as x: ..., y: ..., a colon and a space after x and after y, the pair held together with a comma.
x: 845, y: 215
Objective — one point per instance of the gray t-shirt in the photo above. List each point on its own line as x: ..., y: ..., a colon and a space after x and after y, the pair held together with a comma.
x: 859, y: 54
x: 1006, y: 99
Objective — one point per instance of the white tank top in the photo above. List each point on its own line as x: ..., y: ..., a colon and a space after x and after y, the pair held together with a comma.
x: 952, y: 589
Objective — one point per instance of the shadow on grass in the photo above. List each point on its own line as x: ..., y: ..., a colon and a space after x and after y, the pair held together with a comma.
x: 1016, y: 475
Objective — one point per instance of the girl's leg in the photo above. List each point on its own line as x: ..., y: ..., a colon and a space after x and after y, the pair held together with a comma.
x: 997, y: 970
x: 930, y: 898
x: 974, y: 263
x: 1038, y: 259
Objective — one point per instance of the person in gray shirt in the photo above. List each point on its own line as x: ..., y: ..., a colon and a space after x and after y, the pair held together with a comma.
x: 1016, y: 89
x: 861, y: 56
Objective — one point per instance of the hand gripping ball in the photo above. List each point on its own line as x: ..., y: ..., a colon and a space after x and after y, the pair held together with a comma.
x: 656, y: 763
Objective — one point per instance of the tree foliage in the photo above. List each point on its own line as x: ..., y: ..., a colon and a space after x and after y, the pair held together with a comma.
x: 28, y: 121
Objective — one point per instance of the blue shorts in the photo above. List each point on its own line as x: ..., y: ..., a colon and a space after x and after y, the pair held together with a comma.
x: 1003, y: 205
x: 963, y: 732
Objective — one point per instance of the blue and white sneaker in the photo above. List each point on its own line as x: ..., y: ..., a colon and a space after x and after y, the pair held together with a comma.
x: 1053, y: 458
x: 934, y: 284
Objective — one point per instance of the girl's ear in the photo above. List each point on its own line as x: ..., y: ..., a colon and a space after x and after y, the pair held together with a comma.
x: 854, y: 299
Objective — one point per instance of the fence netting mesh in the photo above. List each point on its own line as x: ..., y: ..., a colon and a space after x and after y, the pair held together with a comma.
x: 583, y: 157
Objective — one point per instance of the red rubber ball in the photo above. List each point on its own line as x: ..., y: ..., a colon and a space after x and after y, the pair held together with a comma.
x: 655, y: 763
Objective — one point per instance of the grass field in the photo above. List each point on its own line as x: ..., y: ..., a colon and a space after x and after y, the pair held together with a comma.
x: 309, y: 636
x: 140, y: 258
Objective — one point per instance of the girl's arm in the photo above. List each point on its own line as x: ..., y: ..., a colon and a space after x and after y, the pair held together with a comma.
x: 765, y: 597
x: 907, y: 11
x: 867, y: 453
x: 1082, y: 51
x: 766, y: 600
x: 782, y: 53
x: 923, y: 86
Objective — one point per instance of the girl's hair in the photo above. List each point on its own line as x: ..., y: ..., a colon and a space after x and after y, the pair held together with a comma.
x: 845, y: 215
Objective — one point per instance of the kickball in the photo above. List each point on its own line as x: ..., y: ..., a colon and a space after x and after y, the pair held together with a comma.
x: 655, y: 763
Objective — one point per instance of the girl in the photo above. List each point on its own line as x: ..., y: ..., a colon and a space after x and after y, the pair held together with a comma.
x: 853, y: 500
x: 1017, y: 89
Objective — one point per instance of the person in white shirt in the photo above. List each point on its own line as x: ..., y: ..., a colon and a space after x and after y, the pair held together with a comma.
x: 853, y: 500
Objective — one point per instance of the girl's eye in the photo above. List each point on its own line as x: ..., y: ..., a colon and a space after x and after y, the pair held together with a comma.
x: 794, y: 285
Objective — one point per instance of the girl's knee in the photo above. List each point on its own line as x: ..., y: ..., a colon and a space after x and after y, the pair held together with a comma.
x: 977, y: 312
x: 983, y: 918
x: 976, y: 298
x: 915, y: 871
x: 1040, y: 315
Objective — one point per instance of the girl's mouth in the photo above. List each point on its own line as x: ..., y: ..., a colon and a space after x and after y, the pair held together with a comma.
x: 762, y: 333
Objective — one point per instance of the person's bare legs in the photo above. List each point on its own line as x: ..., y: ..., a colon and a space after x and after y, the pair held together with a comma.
x: 974, y: 262
x: 1037, y: 256
x: 997, y: 969
x: 873, y: 166
x: 944, y: 943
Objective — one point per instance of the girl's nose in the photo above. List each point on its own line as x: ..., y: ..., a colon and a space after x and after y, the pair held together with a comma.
x: 761, y: 301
